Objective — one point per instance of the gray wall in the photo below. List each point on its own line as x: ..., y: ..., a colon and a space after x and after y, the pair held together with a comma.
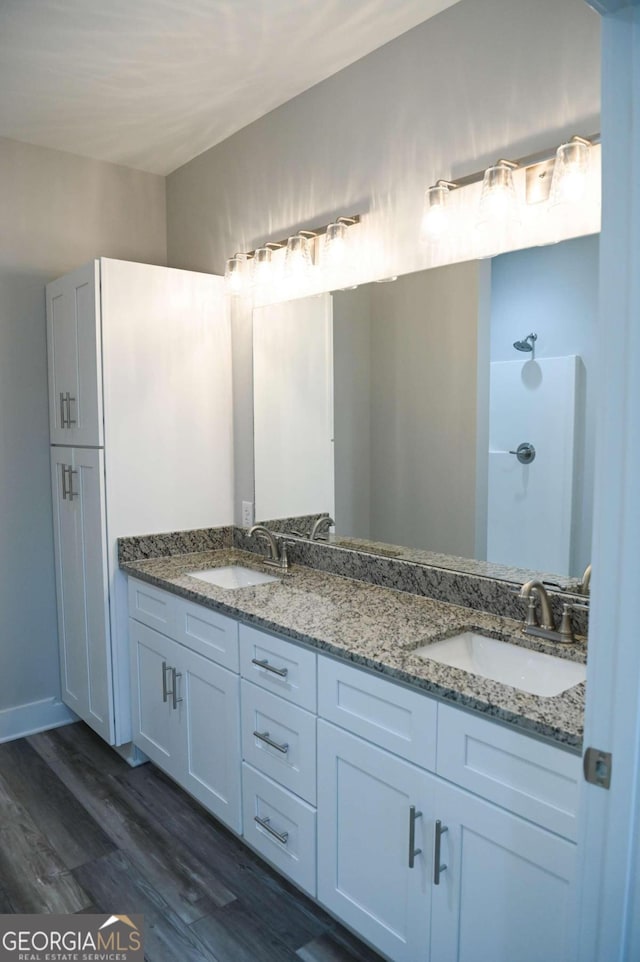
x: 57, y: 212
x: 424, y: 338
x: 483, y: 79
x: 352, y: 410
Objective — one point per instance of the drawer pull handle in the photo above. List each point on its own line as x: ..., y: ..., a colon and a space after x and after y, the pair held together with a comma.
x: 413, y: 851
x: 437, y: 867
x: 263, y: 663
x: 63, y: 417
x: 65, y: 493
x: 71, y: 494
x: 70, y: 420
x: 165, y: 690
x: 265, y: 824
x: 175, y: 675
x: 264, y: 737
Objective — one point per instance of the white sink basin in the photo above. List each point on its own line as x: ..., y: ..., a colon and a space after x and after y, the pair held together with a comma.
x: 530, y: 671
x: 233, y: 576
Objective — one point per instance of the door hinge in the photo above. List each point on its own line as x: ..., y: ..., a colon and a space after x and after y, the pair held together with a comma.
x: 597, y: 767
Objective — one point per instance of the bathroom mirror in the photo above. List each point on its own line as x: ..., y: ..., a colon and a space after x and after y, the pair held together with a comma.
x: 446, y: 417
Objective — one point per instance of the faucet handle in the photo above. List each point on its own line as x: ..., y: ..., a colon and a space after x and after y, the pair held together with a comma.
x: 566, y: 627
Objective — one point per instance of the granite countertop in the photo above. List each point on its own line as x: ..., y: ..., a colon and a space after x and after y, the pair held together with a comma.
x: 378, y: 628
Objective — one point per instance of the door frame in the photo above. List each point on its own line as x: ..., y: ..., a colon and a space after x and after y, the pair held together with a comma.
x: 608, y: 891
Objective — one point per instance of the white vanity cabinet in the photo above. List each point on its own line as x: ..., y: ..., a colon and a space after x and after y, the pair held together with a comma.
x: 139, y: 361
x: 186, y: 706
x: 74, y: 358
x: 501, y: 877
x: 374, y: 844
x: 432, y: 832
x: 81, y: 584
x: 279, y: 753
x: 504, y: 888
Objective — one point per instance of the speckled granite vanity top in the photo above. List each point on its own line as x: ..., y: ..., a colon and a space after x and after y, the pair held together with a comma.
x: 378, y: 628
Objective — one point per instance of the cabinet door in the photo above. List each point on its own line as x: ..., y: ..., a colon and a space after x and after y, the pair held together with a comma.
x: 506, y: 888
x: 81, y: 582
x: 73, y: 347
x: 365, y: 797
x: 209, y: 721
x: 153, y: 658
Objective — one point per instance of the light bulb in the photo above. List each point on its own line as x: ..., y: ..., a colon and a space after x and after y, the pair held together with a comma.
x: 335, y: 246
x: 498, y: 213
x: 236, y: 275
x: 570, y: 172
x: 262, y: 268
x: 298, y: 263
x: 436, y: 216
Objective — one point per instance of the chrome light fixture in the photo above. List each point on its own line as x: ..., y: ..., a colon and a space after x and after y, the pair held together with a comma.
x: 570, y: 171
x: 436, y: 218
x: 236, y: 275
x: 499, y: 210
x: 298, y: 259
x: 335, y: 252
x: 262, y: 268
x: 299, y: 263
x: 498, y: 201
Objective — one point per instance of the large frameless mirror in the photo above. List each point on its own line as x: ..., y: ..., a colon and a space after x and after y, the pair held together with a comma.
x: 447, y: 417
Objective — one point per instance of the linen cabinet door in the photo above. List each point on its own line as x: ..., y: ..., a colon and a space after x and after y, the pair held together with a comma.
x: 74, y: 358
x: 208, y: 714
x: 153, y: 658
x: 77, y: 476
x: 506, y: 888
x: 371, y: 806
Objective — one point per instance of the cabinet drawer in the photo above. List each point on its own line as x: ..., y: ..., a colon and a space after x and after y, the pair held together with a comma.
x: 209, y: 633
x: 292, y: 729
x: 279, y: 666
x: 152, y: 606
x: 393, y: 717
x: 526, y: 776
x: 287, y: 835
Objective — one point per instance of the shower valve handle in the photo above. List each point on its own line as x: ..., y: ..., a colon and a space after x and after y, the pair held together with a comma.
x: 525, y: 453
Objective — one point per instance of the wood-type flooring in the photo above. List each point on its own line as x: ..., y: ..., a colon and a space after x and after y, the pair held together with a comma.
x: 80, y: 831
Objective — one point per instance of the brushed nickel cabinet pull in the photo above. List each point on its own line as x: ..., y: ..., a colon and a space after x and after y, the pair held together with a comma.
x: 165, y: 690
x: 70, y: 420
x: 263, y: 663
x: 71, y: 493
x: 437, y: 867
x: 264, y: 823
x: 264, y: 737
x: 63, y: 419
x: 413, y: 851
x: 63, y: 468
x: 175, y: 675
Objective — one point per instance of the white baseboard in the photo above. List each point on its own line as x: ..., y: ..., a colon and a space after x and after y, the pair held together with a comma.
x: 37, y: 716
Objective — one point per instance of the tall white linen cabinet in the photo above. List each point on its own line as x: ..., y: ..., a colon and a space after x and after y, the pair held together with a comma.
x: 141, y: 442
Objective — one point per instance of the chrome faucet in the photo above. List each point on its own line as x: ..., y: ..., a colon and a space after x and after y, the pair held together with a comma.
x: 584, y: 587
x: 324, y: 521
x: 277, y: 556
x: 535, y: 589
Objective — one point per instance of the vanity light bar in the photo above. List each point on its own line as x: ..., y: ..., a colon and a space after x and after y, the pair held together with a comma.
x: 254, y: 268
x: 311, y: 233
x: 530, y: 160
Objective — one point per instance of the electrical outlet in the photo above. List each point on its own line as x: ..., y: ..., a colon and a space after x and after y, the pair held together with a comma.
x: 247, y: 514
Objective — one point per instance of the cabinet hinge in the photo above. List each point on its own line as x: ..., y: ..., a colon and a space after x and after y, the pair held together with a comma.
x: 597, y: 767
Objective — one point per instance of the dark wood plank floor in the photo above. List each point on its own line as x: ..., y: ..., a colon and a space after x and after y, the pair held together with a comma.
x: 80, y: 831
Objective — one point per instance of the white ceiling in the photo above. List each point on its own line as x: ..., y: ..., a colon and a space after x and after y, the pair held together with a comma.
x: 152, y: 83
